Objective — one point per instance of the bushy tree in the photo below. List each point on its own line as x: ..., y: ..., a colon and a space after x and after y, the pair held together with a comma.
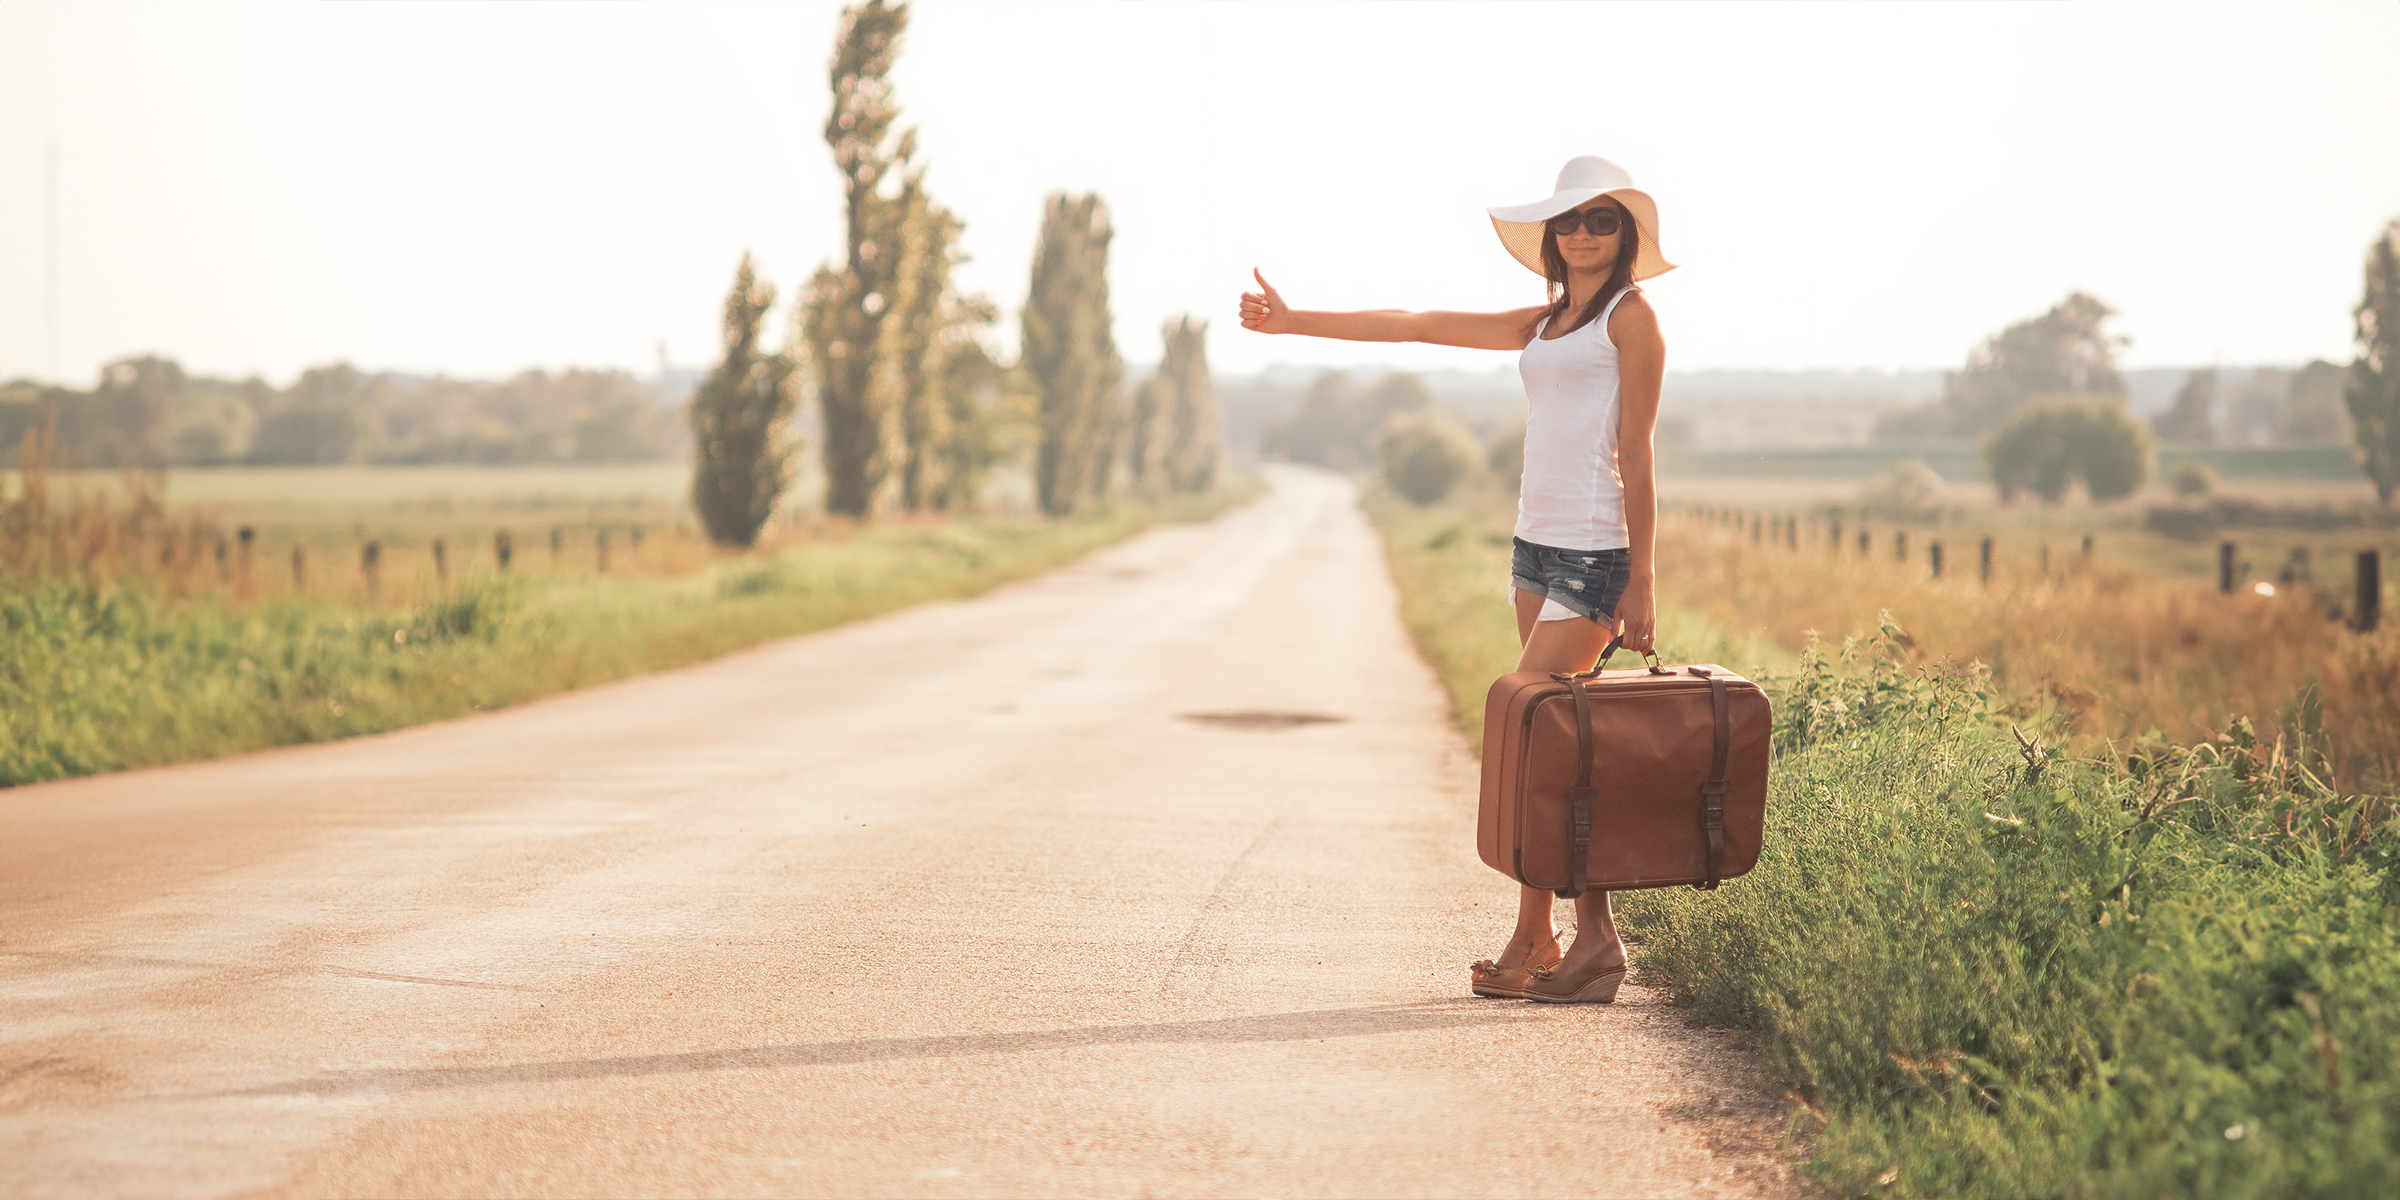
x: 1172, y: 443
x: 741, y: 461
x: 1071, y: 354
x: 2053, y: 441
x: 1425, y: 455
x: 2373, y: 393
x: 845, y: 308
x: 2191, y: 418
x: 1504, y: 455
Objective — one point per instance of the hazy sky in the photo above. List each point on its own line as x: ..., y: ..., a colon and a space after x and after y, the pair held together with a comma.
x: 477, y: 188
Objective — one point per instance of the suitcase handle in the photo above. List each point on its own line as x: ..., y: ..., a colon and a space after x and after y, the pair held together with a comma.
x: 1614, y: 643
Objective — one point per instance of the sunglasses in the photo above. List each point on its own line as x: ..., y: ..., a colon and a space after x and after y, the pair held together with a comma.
x: 1599, y: 222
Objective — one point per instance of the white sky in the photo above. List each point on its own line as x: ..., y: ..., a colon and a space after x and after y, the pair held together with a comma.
x: 477, y: 188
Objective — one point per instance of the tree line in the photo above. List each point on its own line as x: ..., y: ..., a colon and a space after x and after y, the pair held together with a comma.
x: 914, y: 406
x: 2046, y: 399
x: 147, y: 412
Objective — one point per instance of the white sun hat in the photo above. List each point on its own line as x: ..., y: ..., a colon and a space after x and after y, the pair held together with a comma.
x: 1584, y: 176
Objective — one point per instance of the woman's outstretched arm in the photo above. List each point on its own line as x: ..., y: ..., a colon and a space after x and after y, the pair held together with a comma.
x: 1264, y: 311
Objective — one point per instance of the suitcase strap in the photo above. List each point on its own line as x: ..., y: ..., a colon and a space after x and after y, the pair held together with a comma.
x: 1712, y: 793
x: 1580, y: 796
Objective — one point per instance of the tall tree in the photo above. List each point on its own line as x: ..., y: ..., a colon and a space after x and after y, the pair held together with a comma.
x: 2373, y: 393
x: 2063, y: 351
x: 741, y: 460
x: 1071, y: 354
x: 844, y: 311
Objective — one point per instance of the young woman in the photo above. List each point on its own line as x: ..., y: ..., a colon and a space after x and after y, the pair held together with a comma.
x: 1591, y: 359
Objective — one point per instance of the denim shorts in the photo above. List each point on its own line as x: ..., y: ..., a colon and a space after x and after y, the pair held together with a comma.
x: 1586, y: 582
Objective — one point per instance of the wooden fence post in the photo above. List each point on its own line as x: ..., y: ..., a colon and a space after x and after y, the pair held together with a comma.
x: 1987, y: 561
x: 370, y: 564
x: 1837, y: 535
x: 1791, y: 532
x: 441, y: 562
x: 504, y: 548
x: 2225, y: 567
x: 2370, y: 591
x: 299, y: 568
x: 558, y: 543
x: 600, y: 550
x: 1862, y: 541
x: 1900, y: 545
x: 1935, y: 550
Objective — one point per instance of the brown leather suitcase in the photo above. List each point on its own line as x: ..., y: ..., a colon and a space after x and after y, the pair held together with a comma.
x: 1610, y: 780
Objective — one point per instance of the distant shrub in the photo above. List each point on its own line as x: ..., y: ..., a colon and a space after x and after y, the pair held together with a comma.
x: 1505, y: 456
x: 1905, y: 493
x: 2053, y: 441
x: 1425, y: 455
x: 2192, y: 479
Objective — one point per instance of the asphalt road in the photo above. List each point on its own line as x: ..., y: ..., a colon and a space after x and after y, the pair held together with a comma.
x: 960, y: 901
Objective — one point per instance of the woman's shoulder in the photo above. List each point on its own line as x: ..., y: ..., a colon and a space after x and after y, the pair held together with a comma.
x: 1632, y: 315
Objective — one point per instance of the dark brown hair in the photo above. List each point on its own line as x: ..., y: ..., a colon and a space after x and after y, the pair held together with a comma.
x: 1554, y: 267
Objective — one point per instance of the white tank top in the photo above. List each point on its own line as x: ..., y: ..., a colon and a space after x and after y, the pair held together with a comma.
x: 1571, y: 496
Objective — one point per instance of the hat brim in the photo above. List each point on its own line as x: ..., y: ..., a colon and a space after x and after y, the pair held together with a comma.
x: 1520, y: 227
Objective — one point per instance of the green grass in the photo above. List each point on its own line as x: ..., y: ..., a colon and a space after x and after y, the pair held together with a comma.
x: 1978, y: 971
x: 98, y: 676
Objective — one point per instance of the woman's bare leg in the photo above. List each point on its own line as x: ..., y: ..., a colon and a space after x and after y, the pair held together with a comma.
x: 1557, y: 646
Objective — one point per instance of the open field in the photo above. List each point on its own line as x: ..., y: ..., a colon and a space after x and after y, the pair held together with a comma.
x: 1961, y: 461
x: 2089, y: 965
x: 367, y: 600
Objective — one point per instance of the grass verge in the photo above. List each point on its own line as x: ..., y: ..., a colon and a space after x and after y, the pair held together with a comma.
x: 1982, y: 968
x: 101, y: 675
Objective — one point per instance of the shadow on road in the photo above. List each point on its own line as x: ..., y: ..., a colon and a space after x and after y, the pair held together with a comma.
x: 1276, y: 1027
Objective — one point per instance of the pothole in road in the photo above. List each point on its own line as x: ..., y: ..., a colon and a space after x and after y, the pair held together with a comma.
x: 1254, y: 719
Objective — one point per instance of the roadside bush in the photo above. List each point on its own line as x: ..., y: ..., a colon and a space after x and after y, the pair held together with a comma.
x: 1425, y: 455
x: 1989, y: 969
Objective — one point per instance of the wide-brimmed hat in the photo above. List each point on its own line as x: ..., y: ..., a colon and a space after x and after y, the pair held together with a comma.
x: 1584, y: 176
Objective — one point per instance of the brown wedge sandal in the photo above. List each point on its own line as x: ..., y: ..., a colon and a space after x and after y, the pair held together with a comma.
x: 1508, y: 983
x: 1588, y: 986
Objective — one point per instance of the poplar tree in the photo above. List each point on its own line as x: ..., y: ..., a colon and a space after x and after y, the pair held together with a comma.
x: 741, y: 459
x: 2373, y: 393
x: 1146, y: 435
x: 1071, y: 355
x: 845, y: 309
x: 973, y: 392
x: 1184, y: 425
